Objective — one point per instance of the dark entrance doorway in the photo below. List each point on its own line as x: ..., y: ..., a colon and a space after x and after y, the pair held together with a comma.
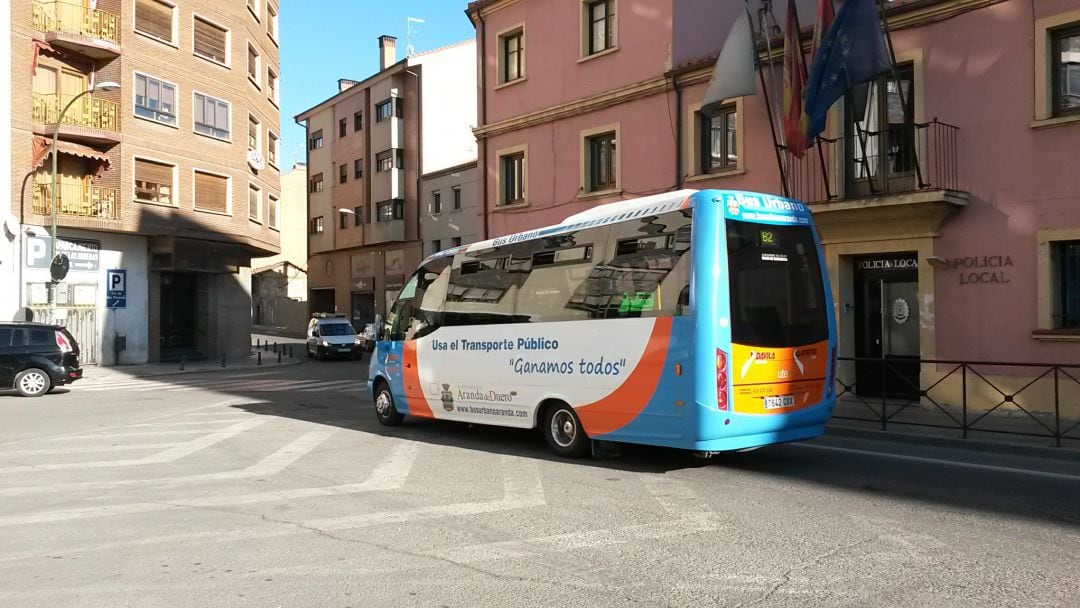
x: 363, y: 310
x: 322, y: 300
x: 887, y: 325
x: 178, y: 319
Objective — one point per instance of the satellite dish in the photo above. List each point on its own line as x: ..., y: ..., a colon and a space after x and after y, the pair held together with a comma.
x: 59, y: 267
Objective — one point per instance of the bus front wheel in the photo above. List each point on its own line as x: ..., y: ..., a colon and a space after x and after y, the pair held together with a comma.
x: 563, y: 432
x: 384, y: 406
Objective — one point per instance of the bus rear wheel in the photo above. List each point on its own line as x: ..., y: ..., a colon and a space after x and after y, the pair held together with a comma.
x: 385, y: 409
x: 563, y: 432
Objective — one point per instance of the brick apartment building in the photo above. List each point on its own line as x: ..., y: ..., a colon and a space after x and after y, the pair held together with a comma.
x: 367, y: 148
x: 172, y: 178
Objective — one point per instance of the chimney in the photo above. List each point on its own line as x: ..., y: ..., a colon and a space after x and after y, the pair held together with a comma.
x: 387, y: 52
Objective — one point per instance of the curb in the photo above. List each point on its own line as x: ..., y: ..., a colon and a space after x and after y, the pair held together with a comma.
x: 978, y: 445
x: 208, y: 370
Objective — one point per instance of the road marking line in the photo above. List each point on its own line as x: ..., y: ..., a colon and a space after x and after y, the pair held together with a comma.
x: 390, y: 474
x: 170, y: 455
x: 109, y: 385
x: 138, y: 434
x: 951, y: 463
x: 267, y: 467
x: 184, y: 423
x: 87, y: 449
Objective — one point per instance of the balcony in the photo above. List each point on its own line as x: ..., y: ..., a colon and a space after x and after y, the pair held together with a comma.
x: 78, y: 200
x: 899, y: 173
x: 91, y: 32
x: 91, y: 120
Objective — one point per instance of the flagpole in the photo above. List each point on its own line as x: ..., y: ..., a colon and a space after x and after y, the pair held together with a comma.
x: 908, y: 118
x: 768, y: 104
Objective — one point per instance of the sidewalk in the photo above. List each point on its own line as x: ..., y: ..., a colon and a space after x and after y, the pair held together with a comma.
x: 269, y: 361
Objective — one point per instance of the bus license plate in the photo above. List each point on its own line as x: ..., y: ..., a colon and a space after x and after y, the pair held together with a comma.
x: 779, y: 402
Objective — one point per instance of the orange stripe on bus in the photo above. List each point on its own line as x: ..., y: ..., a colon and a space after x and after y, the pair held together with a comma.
x: 414, y: 391
x: 625, y: 403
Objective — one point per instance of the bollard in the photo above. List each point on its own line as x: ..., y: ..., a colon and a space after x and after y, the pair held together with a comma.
x: 290, y: 351
x: 223, y: 360
x: 258, y: 343
x: 275, y: 347
x: 183, y: 360
x: 266, y: 346
x: 258, y: 361
x: 279, y: 357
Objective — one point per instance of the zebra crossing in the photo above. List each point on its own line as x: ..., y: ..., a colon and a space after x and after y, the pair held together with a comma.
x: 257, y: 383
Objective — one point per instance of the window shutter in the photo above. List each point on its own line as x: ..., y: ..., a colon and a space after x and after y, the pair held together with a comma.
x: 154, y: 18
x: 155, y: 173
x: 210, y: 41
x: 211, y: 192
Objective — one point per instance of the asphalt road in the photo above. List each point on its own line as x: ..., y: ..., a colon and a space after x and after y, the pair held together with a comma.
x: 279, y: 488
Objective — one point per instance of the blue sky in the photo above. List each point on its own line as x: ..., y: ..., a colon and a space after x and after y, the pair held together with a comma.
x: 323, y: 40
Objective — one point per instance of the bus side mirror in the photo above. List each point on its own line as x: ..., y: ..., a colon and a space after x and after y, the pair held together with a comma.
x: 378, y: 328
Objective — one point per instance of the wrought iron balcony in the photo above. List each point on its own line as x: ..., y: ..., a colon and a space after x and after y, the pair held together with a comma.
x: 897, y: 159
x: 88, y: 112
x: 92, y: 32
x: 78, y: 200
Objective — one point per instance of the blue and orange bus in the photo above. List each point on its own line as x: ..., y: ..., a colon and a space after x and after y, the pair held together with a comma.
x: 700, y: 320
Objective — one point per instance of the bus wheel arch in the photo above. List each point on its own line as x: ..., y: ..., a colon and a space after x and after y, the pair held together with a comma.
x: 562, y: 428
x: 385, y: 408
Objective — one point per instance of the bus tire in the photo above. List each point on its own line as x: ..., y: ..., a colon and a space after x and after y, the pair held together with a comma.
x: 562, y: 431
x: 385, y: 410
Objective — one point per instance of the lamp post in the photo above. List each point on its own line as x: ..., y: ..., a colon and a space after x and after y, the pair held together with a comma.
x: 104, y: 86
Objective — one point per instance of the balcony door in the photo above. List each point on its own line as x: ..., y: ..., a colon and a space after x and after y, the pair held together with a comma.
x: 48, y: 81
x: 880, y: 147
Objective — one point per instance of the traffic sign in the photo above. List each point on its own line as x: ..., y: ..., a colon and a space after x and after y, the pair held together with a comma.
x: 116, y: 279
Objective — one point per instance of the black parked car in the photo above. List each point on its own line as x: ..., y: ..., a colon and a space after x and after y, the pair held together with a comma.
x: 36, y: 358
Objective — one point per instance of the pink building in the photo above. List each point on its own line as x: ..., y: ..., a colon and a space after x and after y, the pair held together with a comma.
x: 956, y: 237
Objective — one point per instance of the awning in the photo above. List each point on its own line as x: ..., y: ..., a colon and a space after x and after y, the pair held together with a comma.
x: 41, y: 152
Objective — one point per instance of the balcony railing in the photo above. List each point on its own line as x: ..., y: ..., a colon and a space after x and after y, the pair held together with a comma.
x: 896, y: 160
x: 75, y: 18
x: 78, y: 200
x: 89, y: 111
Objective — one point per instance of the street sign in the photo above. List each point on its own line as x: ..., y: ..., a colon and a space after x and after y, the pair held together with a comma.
x: 116, y: 279
x: 84, y: 255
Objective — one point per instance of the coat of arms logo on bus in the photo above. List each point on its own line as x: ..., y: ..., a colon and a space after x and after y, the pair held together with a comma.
x: 732, y: 205
x: 447, y: 398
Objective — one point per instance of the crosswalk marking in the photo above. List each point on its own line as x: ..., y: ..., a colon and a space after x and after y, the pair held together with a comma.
x: 87, y: 449
x: 158, y: 381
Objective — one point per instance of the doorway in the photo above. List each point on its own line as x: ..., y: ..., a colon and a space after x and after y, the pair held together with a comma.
x: 363, y: 310
x: 887, y: 325
x: 178, y: 320
x: 322, y: 300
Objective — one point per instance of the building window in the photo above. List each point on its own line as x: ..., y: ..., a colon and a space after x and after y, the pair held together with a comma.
x: 271, y: 86
x: 317, y: 182
x: 272, y: 148
x: 254, y: 203
x: 512, y: 172
x: 436, y: 202
x: 154, y: 182
x: 455, y: 242
x: 436, y: 246
x: 271, y: 22
x: 456, y: 197
x: 343, y: 173
x: 390, y: 210
x: 399, y: 158
x: 253, y: 133
x: 357, y: 121
x: 211, y: 192
x: 155, y: 100
x: 358, y: 168
x: 512, y: 56
x: 384, y: 161
x: 718, y: 143
x: 1065, y: 63
x: 211, y: 41
x: 212, y: 117
x: 358, y: 216
x: 602, y: 161
x: 273, y: 205
x: 343, y: 222
x: 253, y: 6
x: 253, y: 64
x: 600, y: 24
x: 384, y: 110
x: 316, y: 140
x: 1065, y: 257
x: 155, y: 19
x: 880, y: 151
x: 317, y: 225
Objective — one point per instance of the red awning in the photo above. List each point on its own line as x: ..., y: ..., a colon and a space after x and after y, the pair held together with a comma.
x: 41, y: 152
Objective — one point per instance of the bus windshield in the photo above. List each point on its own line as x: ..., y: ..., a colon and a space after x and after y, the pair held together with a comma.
x: 776, y: 286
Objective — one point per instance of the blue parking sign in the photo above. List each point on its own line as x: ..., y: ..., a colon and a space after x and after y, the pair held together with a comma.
x: 116, y: 279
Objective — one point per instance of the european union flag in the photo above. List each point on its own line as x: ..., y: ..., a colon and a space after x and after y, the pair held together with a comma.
x: 852, y: 52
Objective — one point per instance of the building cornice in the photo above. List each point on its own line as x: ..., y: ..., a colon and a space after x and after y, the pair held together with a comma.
x: 450, y: 170
x: 483, y: 8
x: 352, y: 90
x: 645, y: 88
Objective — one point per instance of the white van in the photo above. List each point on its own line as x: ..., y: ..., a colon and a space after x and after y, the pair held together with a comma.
x: 332, y: 335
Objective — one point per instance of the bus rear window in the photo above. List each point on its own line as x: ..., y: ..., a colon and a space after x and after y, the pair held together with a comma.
x: 776, y: 286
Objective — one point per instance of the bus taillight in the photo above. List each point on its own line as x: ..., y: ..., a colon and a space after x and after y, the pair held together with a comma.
x: 721, y: 381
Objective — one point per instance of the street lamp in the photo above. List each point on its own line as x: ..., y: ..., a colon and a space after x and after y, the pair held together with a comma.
x: 104, y: 86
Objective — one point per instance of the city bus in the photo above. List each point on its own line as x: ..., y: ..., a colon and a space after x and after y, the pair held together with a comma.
x: 698, y: 320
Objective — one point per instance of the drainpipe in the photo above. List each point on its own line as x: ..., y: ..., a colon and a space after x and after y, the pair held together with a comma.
x: 482, y: 165
x: 678, y: 133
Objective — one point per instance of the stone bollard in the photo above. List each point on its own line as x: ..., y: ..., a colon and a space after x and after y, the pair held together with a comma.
x: 258, y: 360
x: 279, y: 357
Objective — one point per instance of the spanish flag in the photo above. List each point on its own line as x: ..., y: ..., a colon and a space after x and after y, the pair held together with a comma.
x: 794, y: 79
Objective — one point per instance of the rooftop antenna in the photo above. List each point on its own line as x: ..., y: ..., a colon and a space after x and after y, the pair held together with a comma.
x: 409, y: 21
